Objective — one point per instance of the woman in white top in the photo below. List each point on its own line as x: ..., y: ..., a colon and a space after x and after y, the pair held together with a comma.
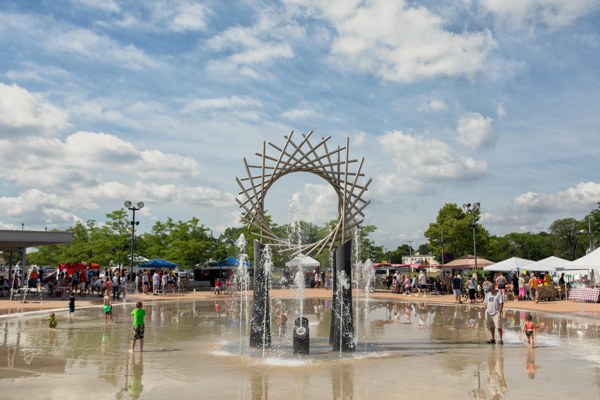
x: 145, y: 282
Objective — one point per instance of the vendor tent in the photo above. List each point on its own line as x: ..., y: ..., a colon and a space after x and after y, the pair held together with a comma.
x: 231, y: 262
x: 158, y: 263
x: 551, y: 264
x: 511, y: 264
x: 75, y: 266
x: 590, y: 261
x: 466, y: 262
x: 302, y: 261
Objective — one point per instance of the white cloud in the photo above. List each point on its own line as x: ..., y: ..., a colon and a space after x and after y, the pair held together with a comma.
x: 78, y: 160
x: 63, y: 38
x: 301, y: 114
x: 398, y: 41
x: 359, y: 138
x: 582, y: 196
x: 222, y: 103
x: 433, y: 106
x: 254, y: 48
x: 500, y: 111
x: 231, y: 219
x: 153, y: 193
x: 22, y: 114
x: 104, y: 5
x: 551, y: 13
x: 189, y: 17
x: 98, y: 48
x: 36, y: 207
x: 510, y: 219
x: 476, y: 131
x: 423, y: 164
x: 315, y: 203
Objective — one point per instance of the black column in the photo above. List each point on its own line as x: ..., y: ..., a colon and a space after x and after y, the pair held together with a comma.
x: 342, y: 336
x: 260, y: 332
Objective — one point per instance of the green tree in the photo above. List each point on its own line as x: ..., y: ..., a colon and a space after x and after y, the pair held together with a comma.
x: 458, y: 232
x: 531, y: 246
x: 569, y: 243
x: 424, y: 249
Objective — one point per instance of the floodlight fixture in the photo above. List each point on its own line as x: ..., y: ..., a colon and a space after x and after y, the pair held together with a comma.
x: 141, y: 205
x: 127, y: 204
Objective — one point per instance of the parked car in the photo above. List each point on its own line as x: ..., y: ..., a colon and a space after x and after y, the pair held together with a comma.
x: 49, y: 276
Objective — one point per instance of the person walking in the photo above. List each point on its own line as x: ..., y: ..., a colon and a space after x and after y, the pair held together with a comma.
x: 471, y: 285
x: 456, y: 284
x: 72, y: 304
x: 281, y: 324
x: 532, y: 286
x: 155, y: 283
x: 116, y: 283
x: 145, y: 282
x: 75, y: 281
x: 164, y: 278
x: 528, y: 328
x: 422, y: 284
x: 515, y: 285
x: 501, y: 282
x: 494, y: 303
x: 407, y: 286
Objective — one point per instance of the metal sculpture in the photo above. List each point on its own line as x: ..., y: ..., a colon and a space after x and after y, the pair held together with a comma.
x: 334, y: 167
x: 304, y: 157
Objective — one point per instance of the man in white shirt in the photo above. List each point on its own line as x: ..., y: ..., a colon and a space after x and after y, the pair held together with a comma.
x: 155, y: 283
x: 494, y: 303
x: 164, y: 283
x: 422, y: 284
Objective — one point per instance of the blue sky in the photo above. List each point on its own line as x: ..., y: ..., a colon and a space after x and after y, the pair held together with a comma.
x: 103, y: 101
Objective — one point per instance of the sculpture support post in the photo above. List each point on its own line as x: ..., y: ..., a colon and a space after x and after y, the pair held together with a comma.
x: 342, y: 334
x: 260, y: 333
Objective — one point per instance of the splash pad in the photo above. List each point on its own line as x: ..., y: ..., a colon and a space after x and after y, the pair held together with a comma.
x: 409, y: 349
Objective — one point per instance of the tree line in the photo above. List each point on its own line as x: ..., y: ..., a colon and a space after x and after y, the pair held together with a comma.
x: 564, y: 237
x: 190, y: 243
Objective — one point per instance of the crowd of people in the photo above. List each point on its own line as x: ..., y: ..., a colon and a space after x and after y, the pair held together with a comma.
x: 522, y: 286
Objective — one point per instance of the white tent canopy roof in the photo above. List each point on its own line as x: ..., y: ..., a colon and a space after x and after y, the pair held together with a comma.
x: 548, y: 264
x: 590, y: 261
x: 302, y: 261
x: 512, y: 264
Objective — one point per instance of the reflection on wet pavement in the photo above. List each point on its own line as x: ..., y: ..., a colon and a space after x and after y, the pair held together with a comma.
x: 197, y: 348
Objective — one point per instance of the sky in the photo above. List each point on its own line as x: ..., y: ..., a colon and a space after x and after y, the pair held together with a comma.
x: 464, y: 101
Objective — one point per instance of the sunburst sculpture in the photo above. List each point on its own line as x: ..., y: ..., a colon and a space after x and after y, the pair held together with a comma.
x: 333, y: 166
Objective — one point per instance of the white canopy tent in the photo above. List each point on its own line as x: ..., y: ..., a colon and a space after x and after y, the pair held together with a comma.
x: 590, y: 261
x: 302, y: 261
x: 550, y: 264
x: 512, y: 264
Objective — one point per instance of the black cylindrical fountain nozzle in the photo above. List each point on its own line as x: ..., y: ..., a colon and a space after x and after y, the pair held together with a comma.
x: 301, y: 338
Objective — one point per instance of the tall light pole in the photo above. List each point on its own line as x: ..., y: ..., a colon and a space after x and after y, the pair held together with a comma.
x: 473, y: 210
x: 589, y: 232
x: 442, y: 247
x: 140, y: 205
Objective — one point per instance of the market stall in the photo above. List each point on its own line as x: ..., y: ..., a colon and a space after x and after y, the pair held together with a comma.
x: 584, y: 294
x: 547, y: 292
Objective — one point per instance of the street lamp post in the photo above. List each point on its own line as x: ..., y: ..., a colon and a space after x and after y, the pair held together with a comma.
x: 473, y: 210
x: 140, y: 205
x: 442, y: 247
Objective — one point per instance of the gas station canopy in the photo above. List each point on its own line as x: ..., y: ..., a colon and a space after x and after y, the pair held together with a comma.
x: 20, y: 240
